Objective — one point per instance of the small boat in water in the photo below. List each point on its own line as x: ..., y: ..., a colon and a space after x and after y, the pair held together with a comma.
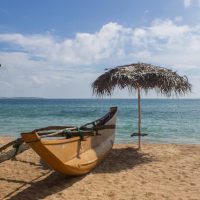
x: 71, y: 150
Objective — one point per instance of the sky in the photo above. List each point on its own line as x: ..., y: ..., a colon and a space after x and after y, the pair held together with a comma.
x: 56, y: 49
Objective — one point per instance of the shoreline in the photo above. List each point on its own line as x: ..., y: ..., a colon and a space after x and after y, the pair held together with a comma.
x: 157, y: 171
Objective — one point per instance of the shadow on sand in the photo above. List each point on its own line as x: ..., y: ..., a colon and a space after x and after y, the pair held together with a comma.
x: 116, y: 161
x: 123, y: 159
x: 41, y: 164
x: 40, y: 189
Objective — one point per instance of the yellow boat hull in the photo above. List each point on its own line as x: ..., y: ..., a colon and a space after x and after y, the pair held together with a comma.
x: 74, y: 156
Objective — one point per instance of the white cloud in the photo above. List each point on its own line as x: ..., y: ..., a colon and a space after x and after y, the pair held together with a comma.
x: 85, y: 48
x: 168, y: 43
x: 188, y: 3
x: 41, y: 65
x: 167, y: 29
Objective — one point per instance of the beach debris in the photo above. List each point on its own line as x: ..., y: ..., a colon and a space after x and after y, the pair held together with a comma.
x: 139, y: 77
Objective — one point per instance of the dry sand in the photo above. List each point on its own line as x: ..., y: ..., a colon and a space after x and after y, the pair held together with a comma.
x: 158, y: 171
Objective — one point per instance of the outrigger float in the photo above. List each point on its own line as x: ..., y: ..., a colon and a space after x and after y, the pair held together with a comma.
x: 68, y: 149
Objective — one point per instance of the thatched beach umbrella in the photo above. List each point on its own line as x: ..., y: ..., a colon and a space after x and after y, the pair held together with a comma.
x: 141, y: 76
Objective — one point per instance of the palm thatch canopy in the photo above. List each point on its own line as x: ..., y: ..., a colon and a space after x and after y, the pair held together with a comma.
x: 145, y: 76
x: 141, y: 76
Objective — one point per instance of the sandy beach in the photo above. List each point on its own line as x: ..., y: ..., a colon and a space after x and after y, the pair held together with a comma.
x: 157, y: 171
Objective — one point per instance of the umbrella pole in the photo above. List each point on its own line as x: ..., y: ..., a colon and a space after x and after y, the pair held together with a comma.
x: 139, y: 120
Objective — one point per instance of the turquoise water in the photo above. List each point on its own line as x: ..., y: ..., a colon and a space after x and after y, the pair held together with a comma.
x: 165, y: 121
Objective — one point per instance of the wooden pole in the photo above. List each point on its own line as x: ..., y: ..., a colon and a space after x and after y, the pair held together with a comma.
x: 139, y: 120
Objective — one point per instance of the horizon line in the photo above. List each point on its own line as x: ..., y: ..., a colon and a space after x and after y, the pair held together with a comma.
x: 95, y: 98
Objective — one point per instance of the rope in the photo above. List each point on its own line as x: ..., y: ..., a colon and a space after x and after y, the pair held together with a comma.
x: 81, y: 134
x: 69, y: 134
x: 95, y: 128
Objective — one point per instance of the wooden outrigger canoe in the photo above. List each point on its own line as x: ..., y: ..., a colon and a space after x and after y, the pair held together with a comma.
x: 74, y: 151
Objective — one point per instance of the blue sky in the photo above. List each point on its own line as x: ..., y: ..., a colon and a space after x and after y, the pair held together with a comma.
x: 57, y: 48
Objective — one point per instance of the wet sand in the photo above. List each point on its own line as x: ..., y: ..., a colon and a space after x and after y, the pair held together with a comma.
x: 157, y: 171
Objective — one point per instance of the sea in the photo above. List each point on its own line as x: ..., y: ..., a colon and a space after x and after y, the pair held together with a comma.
x: 164, y: 120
